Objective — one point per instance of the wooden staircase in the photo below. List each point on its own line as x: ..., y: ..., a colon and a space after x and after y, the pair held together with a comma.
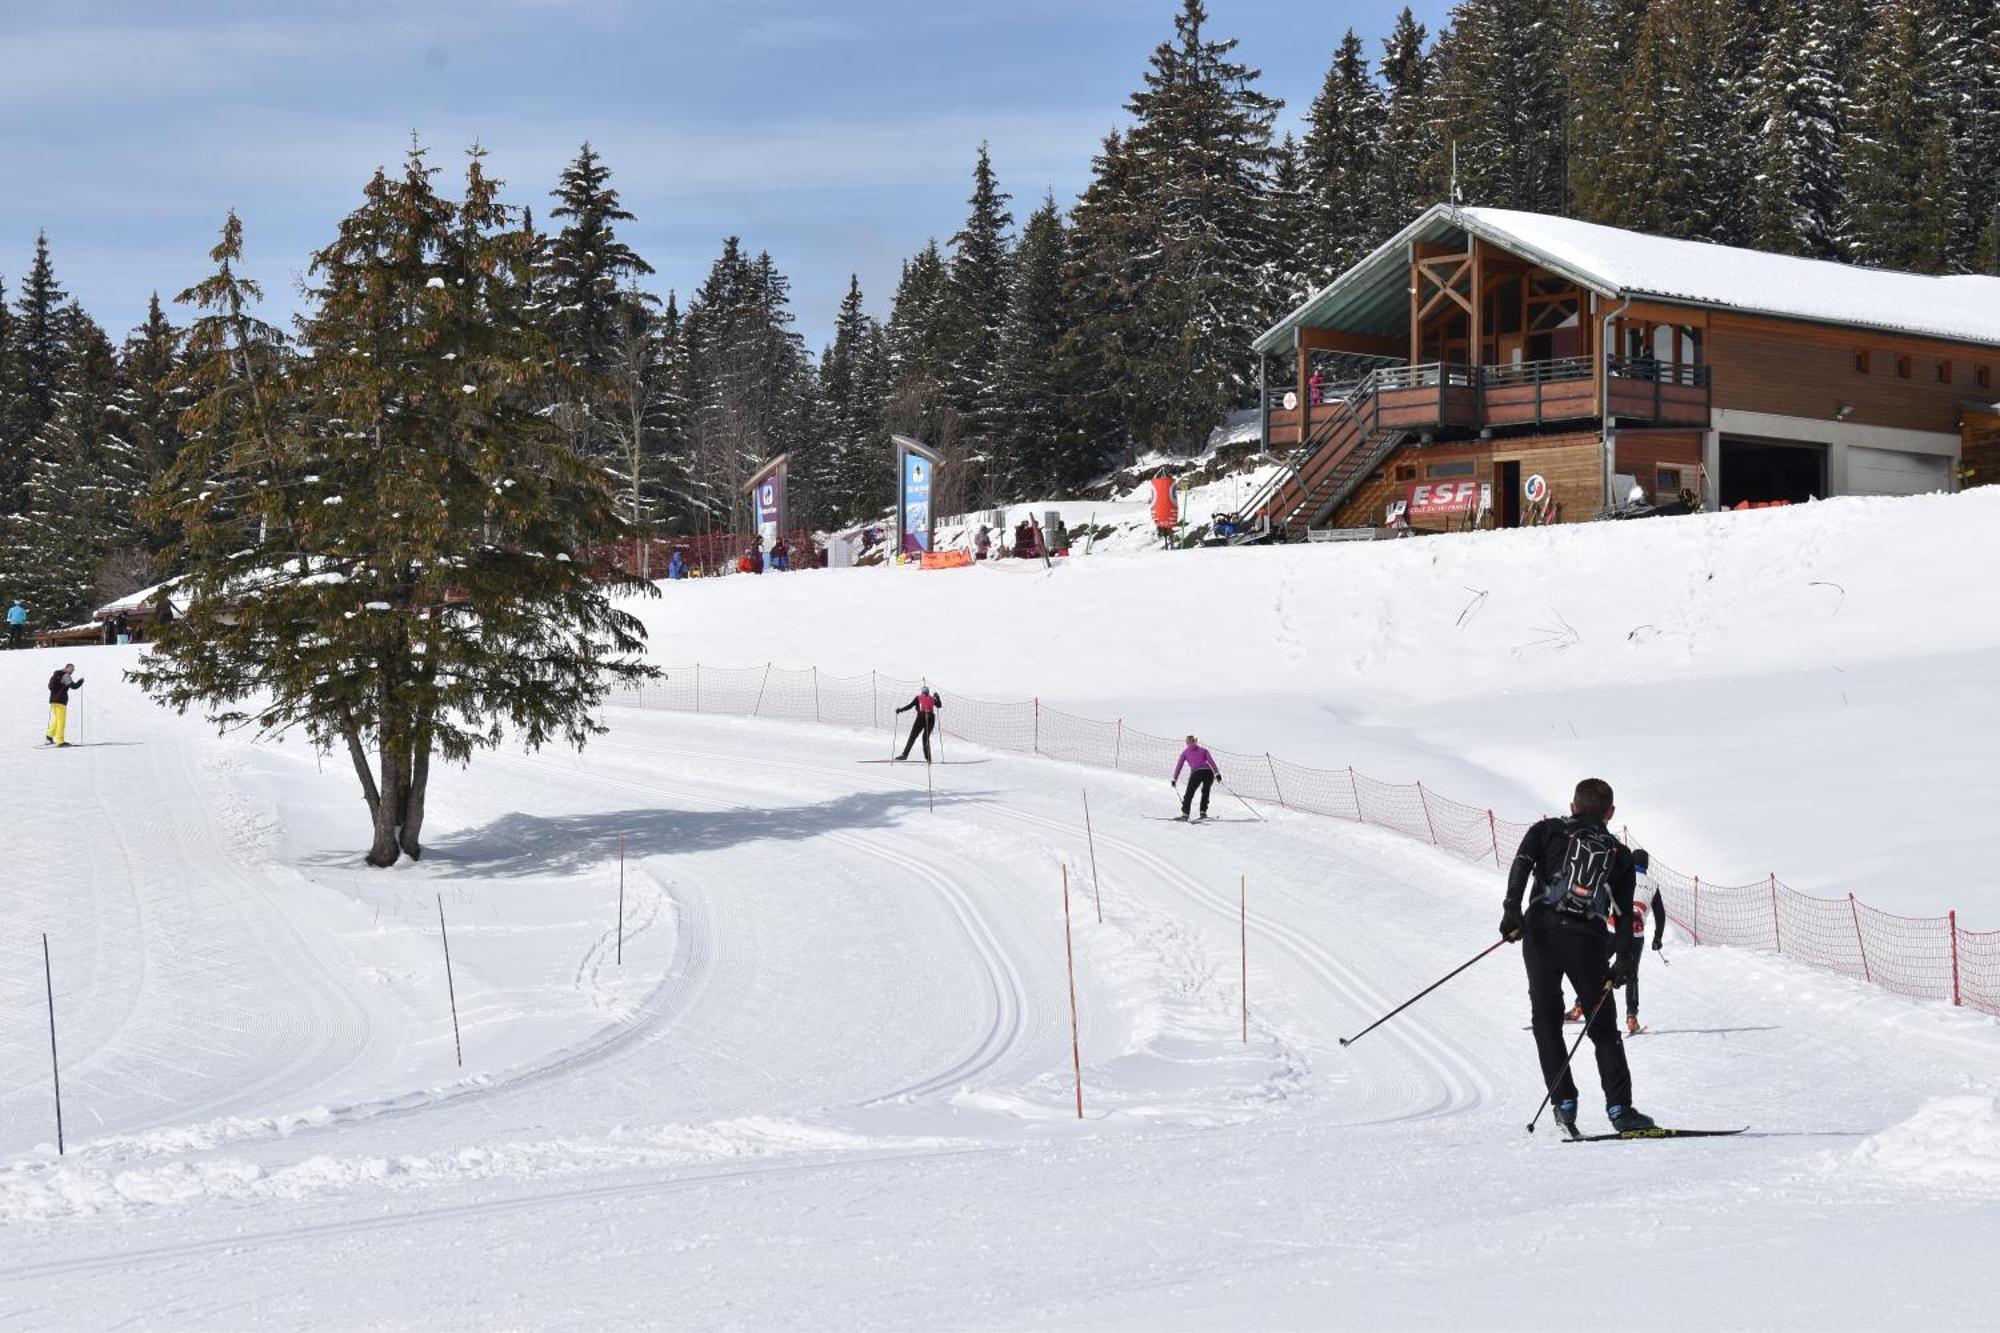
x: 1336, y: 458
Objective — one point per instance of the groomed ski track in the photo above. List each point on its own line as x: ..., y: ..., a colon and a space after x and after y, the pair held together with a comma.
x: 830, y: 1084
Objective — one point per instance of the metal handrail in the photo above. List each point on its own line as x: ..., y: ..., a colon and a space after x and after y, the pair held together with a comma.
x: 1654, y: 371
x: 1555, y: 370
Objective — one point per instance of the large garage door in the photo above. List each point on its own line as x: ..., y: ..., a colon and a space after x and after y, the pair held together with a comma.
x: 1892, y: 472
x: 1760, y: 471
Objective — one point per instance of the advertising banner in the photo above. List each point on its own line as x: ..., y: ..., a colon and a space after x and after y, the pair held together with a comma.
x: 916, y: 480
x: 766, y: 490
x: 1438, y: 499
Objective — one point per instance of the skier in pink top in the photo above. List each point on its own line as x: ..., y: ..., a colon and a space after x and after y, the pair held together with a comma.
x: 926, y: 705
x: 1202, y: 774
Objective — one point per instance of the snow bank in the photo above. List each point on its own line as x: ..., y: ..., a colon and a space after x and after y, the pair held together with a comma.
x: 1949, y: 1142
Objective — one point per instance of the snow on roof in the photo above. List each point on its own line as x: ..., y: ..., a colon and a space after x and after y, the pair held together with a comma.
x: 144, y: 599
x: 1630, y: 263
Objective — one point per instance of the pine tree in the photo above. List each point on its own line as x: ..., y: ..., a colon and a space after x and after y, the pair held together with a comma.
x: 641, y: 410
x: 1202, y: 143
x: 152, y: 403
x: 588, y: 278
x: 917, y: 363
x: 1295, y: 273
x: 1341, y: 154
x: 1408, y: 170
x: 1112, y: 259
x: 850, y: 370
x: 1797, y: 111
x: 1603, y: 44
x: 36, y: 362
x: 977, y: 297
x: 1034, y: 439
x: 1906, y: 204
x: 1501, y: 90
x: 423, y: 583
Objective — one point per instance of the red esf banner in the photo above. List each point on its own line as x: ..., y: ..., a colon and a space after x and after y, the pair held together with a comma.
x: 1433, y: 499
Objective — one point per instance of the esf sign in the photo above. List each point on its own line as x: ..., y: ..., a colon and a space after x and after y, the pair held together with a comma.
x: 1434, y: 498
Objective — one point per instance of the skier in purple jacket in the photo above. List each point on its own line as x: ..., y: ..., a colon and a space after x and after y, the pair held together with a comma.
x: 1202, y: 774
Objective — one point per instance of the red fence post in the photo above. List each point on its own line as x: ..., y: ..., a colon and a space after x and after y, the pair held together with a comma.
x: 1356, y: 786
x: 1493, y: 829
x: 1272, y: 765
x: 757, y: 708
x: 1069, y: 953
x: 1695, y: 929
x: 1951, y: 918
x: 1425, y: 802
x: 1859, y: 943
x: 697, y: 687
x: 816, y: 716
x: 1777, y: 940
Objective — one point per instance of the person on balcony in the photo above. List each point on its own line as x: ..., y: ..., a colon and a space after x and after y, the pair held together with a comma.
x: 1314, y: 389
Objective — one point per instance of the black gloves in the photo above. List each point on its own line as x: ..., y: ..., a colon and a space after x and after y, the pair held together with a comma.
x: 1658, y: 943
x: 1622, y: 967
x: 1511, y: 922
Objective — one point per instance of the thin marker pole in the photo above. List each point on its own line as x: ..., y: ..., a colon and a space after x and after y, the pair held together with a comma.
x: 1243, y: 926
x: 55, y: 1070
x: 621, y: 900
x: 1069, y: 950
x: 451, y: 988
x: 1095, y: 888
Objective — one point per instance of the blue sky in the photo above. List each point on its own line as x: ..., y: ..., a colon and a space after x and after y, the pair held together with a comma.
x: 836, y: 135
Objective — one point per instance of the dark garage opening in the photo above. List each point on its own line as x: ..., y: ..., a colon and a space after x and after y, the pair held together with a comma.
x: 1760, y: 470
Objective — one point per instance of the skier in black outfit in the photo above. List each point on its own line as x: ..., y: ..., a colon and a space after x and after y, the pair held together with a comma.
x: 1582, y: 875
x: 1640, y: 863
x: 925, y: 722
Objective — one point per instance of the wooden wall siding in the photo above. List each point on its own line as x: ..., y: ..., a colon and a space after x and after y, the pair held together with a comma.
x: 1675, y: 404
x: 1563, y: 400
x: 1981, y: 451
x: 1573, y: 465
x: 1805, y: 370
x: 1642, y: 453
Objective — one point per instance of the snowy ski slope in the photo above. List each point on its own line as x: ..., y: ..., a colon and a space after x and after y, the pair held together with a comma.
x: 829, y: 1085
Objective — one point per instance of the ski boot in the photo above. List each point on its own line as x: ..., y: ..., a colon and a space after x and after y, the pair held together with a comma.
x: 1565, y: 1113
x: 1628, y: 1119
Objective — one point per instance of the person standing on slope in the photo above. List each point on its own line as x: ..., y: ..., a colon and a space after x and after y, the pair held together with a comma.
x: 17, y: 623
x: 926, y: 705
x: 60, y: 684
x: 1202, y: 774
x: 1641, y: 862
x: 1582, y: 877
x: 1166, y: 509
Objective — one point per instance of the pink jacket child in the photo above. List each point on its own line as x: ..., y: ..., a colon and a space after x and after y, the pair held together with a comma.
x: 1202, y: 775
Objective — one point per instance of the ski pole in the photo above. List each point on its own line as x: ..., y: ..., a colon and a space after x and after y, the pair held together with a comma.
x: 1240, y: 801
x: 1349, y: 1041
x: 1549, y: 1095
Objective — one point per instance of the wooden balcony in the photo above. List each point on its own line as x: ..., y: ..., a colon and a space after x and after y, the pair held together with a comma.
x: 1452, y: 399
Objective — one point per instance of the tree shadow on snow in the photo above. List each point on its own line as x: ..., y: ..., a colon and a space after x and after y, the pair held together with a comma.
x: 520, y: 845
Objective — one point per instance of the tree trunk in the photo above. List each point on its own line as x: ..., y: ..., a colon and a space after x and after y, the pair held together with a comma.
x: 413, y: 794
x: 384, y: 852
x: 360, y: 758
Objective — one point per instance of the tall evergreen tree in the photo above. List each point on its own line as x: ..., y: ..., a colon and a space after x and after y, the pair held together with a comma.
x: 1202, y: 141
x: 1407, y: 176
x: 1603, y: 44
x: 1907, y: 205
x: 1501, y: 91
x: 1295, y: 269
x: 152, y: 402
x: 35, y: 340
x: 1797, y: 110
x: 917, y: 361
x: 1111, y: 260
x: 588, y: 279
x: 1341, y: 154
x: 1034, y: 437
x: 422, y: 586
x: 977, y: 295
x: 850, y: 374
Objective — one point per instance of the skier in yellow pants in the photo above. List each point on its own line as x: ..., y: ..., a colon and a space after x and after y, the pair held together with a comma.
x: 60, y: 684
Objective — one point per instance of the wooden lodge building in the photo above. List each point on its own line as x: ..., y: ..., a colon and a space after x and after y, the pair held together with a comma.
x: 1548, y: 359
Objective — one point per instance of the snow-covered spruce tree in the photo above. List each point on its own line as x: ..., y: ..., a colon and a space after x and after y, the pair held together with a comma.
x: 976, y: 299
x: 1603, y: 41
x: 1110, y: 261
x: 1683, y: 166
x: 152, y: 401
x: 1029, y: 388
x: 387, y: 544
x: 1796, y: 111
x: 1408, y: 173
x: 35, y: 362
x: 1201, y: 140
x: 1342, y: 149
x: 1501, y: 90
x: 587, y: 279
x: 850, y: 390
x: 1906, y: 205
x: 1288, y: 206
x: 917, y: 354
x: 74, y: 548
x: 641, y: 415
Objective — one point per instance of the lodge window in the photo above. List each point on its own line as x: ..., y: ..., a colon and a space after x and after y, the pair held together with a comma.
x: 1983, y: 377
x: 1902, y: 367
x: 1861, y: 362
x: 1406, y: 472
x: 1669, y: 481
x: 1944, y: 372
x: 1464, y: 469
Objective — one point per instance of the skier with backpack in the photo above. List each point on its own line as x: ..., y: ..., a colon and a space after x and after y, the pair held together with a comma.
x: 60, y: 684
x: 1582, y: 876
x: 1203, y: 773
x: 924, y: 723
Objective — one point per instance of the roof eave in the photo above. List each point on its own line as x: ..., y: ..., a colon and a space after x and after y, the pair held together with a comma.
x: 1278, y: 336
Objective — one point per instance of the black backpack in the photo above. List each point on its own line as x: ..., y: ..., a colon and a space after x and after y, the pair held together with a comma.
x: 1580, y: 889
